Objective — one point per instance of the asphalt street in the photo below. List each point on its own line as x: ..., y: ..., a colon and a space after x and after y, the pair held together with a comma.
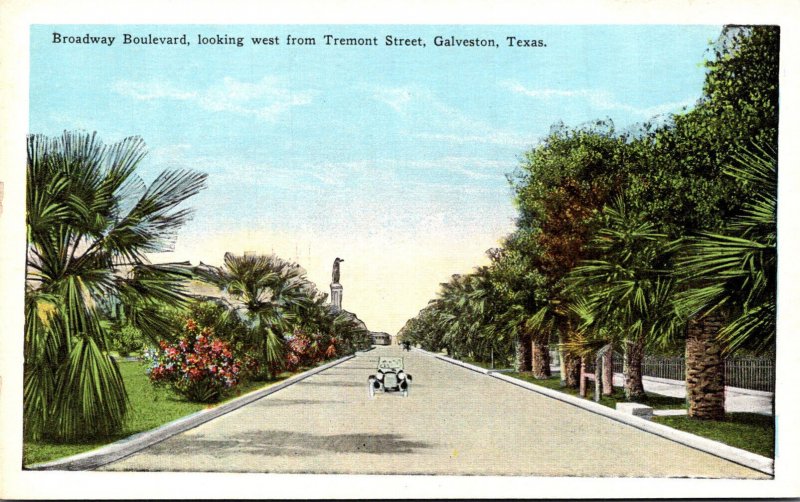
x: 454, y: 421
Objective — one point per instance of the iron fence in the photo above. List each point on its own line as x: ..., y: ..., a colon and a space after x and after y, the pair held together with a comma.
x: 755, y: 373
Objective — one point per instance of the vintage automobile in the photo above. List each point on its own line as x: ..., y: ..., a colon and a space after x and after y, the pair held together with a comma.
x: 390, y: 377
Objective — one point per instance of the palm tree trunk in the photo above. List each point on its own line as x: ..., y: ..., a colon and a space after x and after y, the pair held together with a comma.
x: 632, y: 369
x: 570, y: 364
x: 541, y: 358
x: 608, y: 372
x: 573, y: 370
x: 705, y: 369
x: 523, y: 357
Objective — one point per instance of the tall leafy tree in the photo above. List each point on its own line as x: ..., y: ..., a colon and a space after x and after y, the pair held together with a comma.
x: 682, y: 185
x: 90, y: 223
x: 561, y: 186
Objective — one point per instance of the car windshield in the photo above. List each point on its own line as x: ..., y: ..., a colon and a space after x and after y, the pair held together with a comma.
x: 390, y: 363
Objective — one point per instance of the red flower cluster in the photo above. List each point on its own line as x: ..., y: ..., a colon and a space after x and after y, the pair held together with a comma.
x: 199, y: 367
x: 307, y: 351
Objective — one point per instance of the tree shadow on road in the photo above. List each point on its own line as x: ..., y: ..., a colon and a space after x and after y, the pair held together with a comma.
x: 282, y: 443
x: 350, y: 368
x: 292, y: 402
x: 335, y: 383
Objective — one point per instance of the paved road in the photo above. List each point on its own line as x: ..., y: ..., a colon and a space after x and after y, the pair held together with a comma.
x: 454, y: 421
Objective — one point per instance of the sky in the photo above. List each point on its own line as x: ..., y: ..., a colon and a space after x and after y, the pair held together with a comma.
x: 392, y: 158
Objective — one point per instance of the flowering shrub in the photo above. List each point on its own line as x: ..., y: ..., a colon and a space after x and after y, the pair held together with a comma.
x: 199, y: 367
x: 304, y: 350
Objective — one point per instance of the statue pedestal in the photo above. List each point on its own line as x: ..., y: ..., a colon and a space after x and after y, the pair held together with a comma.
x: 336, y: 296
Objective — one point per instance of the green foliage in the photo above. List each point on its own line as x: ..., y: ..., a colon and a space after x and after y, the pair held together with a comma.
x: 267, y: 300
x: 269, y: 292
x: 347, y: 335
x: 484, y: 314
x: 90, y: 221
x: 630, y: 284
x: 460, y: 319
x: 582, y: 256
x: 226, y: 323
x: 736, y: 269
x: 683, y: 188
x: 128, y: 340
x: 561, y: 186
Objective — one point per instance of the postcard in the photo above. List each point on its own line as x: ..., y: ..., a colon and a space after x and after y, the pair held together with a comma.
x: 319, y: 251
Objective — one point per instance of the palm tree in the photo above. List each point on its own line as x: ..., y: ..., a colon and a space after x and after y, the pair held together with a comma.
x: 732, y: 276
x: 90, y: 222
x: 270, y: 292
x: 629, y: 285
x: 424, y: 329
x: 346, y: 335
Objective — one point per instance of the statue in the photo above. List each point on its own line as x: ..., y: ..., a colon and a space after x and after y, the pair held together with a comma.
x: 336, y: 263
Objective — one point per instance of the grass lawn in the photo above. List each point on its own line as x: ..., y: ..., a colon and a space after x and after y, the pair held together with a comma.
x: 748, y: 431
x: 486, y: 364
x: 150, y: 407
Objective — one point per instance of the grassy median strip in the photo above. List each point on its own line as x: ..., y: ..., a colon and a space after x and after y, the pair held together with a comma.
x: 150, y: 407
x: 748, y: 431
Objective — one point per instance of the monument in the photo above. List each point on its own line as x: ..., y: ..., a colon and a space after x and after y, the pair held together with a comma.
x: 336, y: 288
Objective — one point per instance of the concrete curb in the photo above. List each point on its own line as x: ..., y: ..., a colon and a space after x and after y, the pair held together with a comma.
x: 736, y: 455
x: 423, y: 352
x: 116, y: 451
x: 468, y: 366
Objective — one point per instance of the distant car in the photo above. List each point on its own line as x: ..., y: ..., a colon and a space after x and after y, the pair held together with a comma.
x: 390, y: 377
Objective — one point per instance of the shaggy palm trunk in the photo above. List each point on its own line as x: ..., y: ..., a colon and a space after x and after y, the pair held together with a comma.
x: 541, y: 359
x: 570, y: 364
x: 523, y: 356
x: 572, y: 374
x: 608, y: 372
x: 705, y: 369
x: 632, y: 369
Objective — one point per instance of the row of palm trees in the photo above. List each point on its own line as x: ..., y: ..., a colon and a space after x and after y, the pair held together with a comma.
x: 637, y: 290
x: 91, y: 223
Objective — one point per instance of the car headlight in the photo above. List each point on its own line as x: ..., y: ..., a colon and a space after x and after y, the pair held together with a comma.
x: 401, y: 375
x: 379, y: 376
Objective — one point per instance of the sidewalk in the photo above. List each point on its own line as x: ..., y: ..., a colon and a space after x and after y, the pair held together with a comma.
x: 736, y: 399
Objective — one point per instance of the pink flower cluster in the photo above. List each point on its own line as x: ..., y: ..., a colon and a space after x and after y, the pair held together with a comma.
x: 303, y: 350
x: 200, y: 367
